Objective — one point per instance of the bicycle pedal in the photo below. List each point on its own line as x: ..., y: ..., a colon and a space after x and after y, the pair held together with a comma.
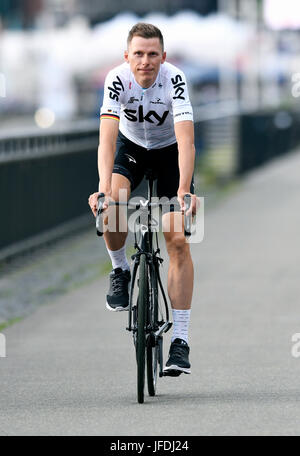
x: 172, y: 373
x: 170, y: 324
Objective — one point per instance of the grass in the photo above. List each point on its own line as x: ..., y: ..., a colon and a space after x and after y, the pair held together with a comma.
x: 105, y: 268
x: 49, y: 291
x: 6, y: 293
x: 215, y: 167
x: 12, y: 321
x: 214, y: 175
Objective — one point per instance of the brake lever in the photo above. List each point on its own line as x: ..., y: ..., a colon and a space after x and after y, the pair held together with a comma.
x: 187, y: 218
x: 99, y: 219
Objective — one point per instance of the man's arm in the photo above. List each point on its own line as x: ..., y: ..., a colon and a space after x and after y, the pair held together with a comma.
x: 106, y: 153
x: 184, y: 132
x: 108, y: 132
x: 109, y: 127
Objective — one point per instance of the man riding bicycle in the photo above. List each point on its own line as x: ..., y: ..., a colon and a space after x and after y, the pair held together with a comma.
x: 147, y: 122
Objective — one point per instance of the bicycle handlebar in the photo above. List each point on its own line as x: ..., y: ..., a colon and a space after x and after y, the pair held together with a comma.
x: 136, y: 206
x: 187, y: 218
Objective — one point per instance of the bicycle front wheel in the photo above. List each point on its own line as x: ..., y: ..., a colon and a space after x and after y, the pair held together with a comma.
x: 141, y: 328
x: 152, y: 365
x: 152, y: 345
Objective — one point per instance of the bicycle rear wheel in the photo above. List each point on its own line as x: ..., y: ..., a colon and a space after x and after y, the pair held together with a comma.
x: 141, y: 328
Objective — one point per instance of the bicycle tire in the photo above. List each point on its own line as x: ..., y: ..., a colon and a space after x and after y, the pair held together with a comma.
x: 152, y: 367
x: 152, y: 346
x: 141, y: 328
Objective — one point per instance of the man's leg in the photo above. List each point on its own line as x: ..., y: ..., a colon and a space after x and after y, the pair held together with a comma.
x: 180, y: 290
x: 115, y: 237
x: 181, y: 270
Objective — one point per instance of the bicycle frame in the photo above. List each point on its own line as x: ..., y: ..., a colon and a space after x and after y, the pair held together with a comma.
x: 146, y: 246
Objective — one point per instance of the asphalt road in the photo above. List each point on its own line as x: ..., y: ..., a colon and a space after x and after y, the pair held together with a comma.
x: 70, y: 366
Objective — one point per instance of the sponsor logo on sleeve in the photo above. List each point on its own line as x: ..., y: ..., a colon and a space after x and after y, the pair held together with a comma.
x: 178, y: 86
x: 114, y: 91
x: 186, y: 113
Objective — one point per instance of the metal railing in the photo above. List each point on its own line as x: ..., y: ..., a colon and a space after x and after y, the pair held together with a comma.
x: 45, y: 181
x: 47, y: 176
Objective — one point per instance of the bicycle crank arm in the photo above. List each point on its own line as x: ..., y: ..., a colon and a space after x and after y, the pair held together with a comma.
x: 160, y: 360
x: 164, y: 328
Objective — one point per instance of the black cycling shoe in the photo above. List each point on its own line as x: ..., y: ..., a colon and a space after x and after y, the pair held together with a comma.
x: 117, y: 298
x: 178, y: 361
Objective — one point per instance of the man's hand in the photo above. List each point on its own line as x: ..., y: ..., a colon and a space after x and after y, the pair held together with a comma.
x: 93, y: 202
x: 194, y: 202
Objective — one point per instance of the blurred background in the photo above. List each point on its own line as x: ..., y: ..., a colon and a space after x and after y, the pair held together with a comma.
x: 241, y: 59
x: 54, y: 54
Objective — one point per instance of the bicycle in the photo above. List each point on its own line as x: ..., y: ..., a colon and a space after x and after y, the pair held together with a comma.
x: 148, y: 318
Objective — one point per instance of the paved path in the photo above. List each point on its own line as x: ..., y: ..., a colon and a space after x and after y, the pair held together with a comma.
x: 70, y: 366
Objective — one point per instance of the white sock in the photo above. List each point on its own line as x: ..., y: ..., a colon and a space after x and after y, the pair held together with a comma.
x: 181, y: 320
x: 118, y: 258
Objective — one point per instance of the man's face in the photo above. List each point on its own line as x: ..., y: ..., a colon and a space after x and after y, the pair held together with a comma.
x: 145, y: 56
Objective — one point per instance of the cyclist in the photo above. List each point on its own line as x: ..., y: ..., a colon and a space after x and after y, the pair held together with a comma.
x: 147, y: 119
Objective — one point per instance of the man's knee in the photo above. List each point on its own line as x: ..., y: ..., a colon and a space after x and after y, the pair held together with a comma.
x: 120, y: 188
x: 172, y: 223
x: 177, y: 245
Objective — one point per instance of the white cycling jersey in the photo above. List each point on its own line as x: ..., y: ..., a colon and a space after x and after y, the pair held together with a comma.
x: 147, y: 116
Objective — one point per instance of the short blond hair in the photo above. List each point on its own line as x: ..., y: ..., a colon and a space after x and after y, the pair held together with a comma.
x: 145, y: 31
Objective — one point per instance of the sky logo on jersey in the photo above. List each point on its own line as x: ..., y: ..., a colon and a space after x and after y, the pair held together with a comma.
x: 138, y: 116
x: 114, y: 92
x: 178, y: 86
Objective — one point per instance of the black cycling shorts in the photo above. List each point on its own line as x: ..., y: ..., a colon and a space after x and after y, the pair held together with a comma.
x: 132, y: 161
